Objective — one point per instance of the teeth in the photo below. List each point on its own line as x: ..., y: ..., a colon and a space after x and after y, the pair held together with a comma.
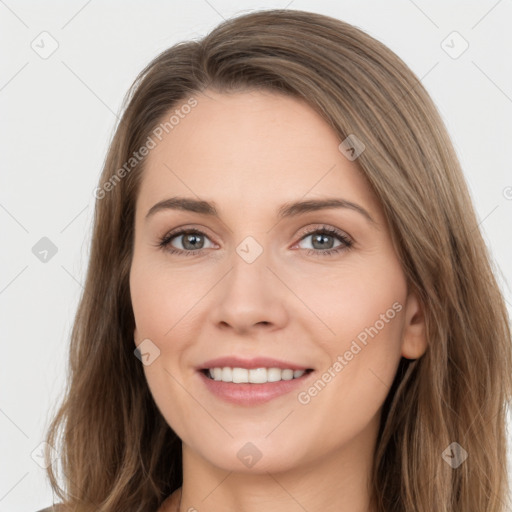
x: 254, y: 375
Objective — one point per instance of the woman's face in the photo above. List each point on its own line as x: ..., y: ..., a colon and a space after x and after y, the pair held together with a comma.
x: 264, y: 271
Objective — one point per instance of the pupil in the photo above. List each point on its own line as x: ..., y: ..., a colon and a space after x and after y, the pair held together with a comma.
x: 321, y: 238
x: 190, y: 239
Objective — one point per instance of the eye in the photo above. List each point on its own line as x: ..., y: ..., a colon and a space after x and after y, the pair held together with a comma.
x: 192, y: 241
x: 324, y: 238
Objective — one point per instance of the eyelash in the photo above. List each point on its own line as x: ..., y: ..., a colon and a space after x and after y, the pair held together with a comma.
x: 346, y: 242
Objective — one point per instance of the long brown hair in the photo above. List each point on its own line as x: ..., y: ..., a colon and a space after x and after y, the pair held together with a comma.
x: 116, y: 450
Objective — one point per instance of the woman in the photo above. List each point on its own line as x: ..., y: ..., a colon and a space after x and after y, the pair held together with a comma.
x: 284, y: 236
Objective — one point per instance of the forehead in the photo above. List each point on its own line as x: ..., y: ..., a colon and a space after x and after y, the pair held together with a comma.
x: 250, y: 148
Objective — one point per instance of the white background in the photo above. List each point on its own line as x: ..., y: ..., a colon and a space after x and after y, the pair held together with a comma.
x: 58, y: 115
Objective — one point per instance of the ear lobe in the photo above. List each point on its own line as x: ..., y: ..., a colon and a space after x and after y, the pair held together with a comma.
x: 414, y: 341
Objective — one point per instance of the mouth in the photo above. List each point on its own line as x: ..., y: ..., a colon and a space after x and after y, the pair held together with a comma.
x: 237, y: 375
x: 248, y: 387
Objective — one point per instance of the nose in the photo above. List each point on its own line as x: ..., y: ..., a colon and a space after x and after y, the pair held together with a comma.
x: 250, y: 297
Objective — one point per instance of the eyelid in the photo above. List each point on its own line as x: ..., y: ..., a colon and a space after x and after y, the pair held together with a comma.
x: 183, y: 230
x: 188, y: 228
x: 327, y: 228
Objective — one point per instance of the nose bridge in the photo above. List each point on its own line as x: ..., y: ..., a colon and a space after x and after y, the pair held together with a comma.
x: 250, y: 293
x: 250, y: 278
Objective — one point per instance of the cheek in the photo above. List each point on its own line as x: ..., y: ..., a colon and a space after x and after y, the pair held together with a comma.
x: 162, y: 301
x: 163, y: 308
x: 363, y: 310
x: 353, y: 298
x: 370, y: 313
x: 354, y: 383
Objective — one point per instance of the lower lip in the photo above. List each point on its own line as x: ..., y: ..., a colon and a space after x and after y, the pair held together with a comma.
x: 252, y: 394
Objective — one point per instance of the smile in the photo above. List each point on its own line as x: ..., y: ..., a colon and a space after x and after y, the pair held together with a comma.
x: 259, y: 390
x: 254, y: 375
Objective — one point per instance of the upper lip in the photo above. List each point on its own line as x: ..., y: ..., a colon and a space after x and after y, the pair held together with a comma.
x: 257, y: 362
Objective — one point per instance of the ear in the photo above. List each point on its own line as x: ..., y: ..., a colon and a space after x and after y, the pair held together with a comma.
x: 414, y: 341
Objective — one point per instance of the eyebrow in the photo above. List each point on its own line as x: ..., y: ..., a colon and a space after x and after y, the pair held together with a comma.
x: 286, y: 210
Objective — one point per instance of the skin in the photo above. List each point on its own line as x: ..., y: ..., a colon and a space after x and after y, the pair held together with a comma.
x: 249, y: 153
